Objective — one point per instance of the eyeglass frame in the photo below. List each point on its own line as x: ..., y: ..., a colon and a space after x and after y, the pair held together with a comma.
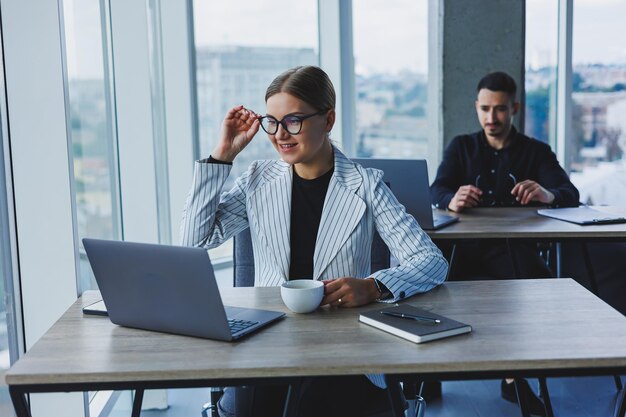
x: 283, y: 124
x: 491, y: 200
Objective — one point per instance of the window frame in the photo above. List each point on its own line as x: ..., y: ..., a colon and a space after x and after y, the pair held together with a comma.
x: 337, y: 58
x: 564, y: 100
x: 39, y: 165
x: 8, y: 242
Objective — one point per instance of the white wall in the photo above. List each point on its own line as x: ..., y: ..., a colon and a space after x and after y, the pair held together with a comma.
x: 41, y: 174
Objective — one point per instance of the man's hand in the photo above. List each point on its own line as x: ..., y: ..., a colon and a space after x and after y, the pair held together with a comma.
x: 529, y: 190
x: 465, y: 197
x: 349, y: 292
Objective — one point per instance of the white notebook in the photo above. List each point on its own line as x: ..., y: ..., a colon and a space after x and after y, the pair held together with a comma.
x: 582, y: 215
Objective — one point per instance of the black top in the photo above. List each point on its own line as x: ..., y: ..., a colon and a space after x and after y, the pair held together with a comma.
x: 469, y: 159
x: 307, y: 202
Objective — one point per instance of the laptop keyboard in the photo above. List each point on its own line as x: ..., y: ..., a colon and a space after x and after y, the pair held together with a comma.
x: 238, y: 325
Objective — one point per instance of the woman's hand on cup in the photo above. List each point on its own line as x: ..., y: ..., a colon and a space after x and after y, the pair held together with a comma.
x: 238, y: 128
x: 349, y: 292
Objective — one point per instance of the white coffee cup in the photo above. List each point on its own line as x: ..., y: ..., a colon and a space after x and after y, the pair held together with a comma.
x: 302, y: 295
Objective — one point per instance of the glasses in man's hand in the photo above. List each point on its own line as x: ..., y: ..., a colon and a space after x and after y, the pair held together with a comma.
x: 291, y: 123
x: 489, y: 197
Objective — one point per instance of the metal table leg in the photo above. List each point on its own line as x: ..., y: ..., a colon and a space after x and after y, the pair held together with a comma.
x: 137, y: 403
x: 545, y: 396
x: 513, y: 259
x: 452, y: 259
x: 592, y: 277
x: 558, y: 259
x: 19, y: 402
x: 293, y: 398
x: 521, y: 398
x: 394, y: 392
x: 620, y: 404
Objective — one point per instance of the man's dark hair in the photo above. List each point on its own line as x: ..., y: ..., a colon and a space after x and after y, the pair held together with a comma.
x: 498, y: 81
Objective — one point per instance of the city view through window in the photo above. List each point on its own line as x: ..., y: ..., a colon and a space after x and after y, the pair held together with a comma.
x: 598, y: 140
x: 599, y: 95
x: 5, y: 359
x: 92, y: 142
x: 391, y: 65
x: 8, y: 321
x: 235, y: 67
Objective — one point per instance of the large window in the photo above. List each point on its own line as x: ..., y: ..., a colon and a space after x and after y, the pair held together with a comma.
x: 8, y: 333
x: 5, y: 402
x: 7, y: 337
x: 240, y: 47
x: 391, y: 62
x: 541, y: 69
x: 598, y: 141
x: 91, y: 129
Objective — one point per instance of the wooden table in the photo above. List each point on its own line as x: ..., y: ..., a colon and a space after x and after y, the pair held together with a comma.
x: 523, y: 223
x: 551, y: 327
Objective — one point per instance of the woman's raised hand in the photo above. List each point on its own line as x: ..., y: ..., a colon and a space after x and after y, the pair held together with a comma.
x: 238, y: 128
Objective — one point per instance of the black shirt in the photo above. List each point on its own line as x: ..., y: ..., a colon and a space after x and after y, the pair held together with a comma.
x: 469, y: 159
x: 307, y: 202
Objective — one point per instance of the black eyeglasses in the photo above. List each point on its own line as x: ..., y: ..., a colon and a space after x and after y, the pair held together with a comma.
x: 291, y: 123
x: 489, y: 199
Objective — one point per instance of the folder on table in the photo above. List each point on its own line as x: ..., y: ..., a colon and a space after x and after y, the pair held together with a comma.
x: 583, y: 215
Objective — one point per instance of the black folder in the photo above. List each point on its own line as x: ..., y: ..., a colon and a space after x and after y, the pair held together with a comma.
x: 421, y: 326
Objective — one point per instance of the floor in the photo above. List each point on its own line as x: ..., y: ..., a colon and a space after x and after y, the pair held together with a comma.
x: 571, y: 397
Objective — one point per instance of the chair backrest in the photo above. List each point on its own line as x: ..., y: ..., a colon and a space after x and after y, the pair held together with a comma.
x: 243, y: 258
x: 380, y: 253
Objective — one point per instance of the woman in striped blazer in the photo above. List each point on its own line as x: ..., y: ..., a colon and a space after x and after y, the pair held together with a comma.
x: 312, y: 214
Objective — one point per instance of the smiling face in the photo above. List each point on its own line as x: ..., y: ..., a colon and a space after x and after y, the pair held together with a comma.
x: 495, y: 110
x: 310, y: 151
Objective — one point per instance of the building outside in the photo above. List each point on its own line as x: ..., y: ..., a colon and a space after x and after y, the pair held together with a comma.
x: 232, y: 75
x: 598, y: 139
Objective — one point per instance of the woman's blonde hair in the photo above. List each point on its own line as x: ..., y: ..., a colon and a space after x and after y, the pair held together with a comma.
x: 308, y: 83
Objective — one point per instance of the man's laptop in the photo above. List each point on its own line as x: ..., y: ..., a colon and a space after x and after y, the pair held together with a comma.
x: 408, y: 179
x: 168, y: 289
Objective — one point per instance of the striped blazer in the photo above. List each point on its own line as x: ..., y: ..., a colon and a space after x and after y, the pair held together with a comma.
x: 357, y: 203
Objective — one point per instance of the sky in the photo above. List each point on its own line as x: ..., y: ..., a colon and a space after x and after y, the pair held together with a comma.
x: 599, y: 33
x: 378, y: 45
x: 389, y: 35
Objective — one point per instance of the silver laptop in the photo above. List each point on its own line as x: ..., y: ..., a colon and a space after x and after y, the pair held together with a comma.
x: 408, y: 179
x: 169, y: 289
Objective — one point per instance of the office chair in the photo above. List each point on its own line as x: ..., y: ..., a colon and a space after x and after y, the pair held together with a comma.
x: 243, y: 276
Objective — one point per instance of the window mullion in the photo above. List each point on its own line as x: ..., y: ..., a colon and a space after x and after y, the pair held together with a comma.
x: 564, y: 84
x: 337, y: 59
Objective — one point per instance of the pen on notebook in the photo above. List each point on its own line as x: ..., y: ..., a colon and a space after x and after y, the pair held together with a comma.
x: 421, y: 319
